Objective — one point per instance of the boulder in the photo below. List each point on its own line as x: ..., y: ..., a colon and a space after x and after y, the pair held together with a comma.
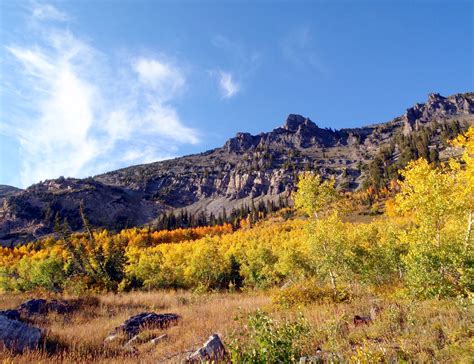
x: 18, y: 336
x: 135, y: 324
x: 213, y: 350
x: 33, y: 307
x: 38, y: 306
x: 61, y: 307
x: 11, y: 314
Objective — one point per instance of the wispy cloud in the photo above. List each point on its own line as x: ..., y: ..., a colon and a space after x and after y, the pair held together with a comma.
x: 161, y: 76
x: 77, y: 114
x: 298, y: 48
x: 228, y: 86
x: 48, y: 12
x: 242, y: 61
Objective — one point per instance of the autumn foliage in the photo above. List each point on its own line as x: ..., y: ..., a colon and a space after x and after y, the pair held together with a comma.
x: 422, y: 245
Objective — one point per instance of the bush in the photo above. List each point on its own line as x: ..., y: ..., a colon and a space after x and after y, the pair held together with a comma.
x: 266, y: 340
x: 48, y: 273
x: 307, y: 292
x: 444, y: 272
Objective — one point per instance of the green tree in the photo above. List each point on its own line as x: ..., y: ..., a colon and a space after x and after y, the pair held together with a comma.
x: 439, y: 200
x: 314, y: 195
x: 326, y: 231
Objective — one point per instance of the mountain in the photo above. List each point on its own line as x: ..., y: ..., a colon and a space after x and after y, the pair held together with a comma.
x: 6, y: 191
x: 247, y: 168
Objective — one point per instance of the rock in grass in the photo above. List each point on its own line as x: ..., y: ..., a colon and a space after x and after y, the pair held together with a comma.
x: 38, y: 306
x: 150, y: 320
x: 11, y: 314
x: 213, y: 350
x: 158, y: 339
x: 34, y: 306
x: 18, y: 336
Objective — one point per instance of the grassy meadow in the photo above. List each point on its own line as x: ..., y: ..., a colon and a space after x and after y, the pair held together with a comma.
x: 403, y: 330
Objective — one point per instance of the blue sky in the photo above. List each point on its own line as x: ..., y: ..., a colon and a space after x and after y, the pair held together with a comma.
x: 90, y: 86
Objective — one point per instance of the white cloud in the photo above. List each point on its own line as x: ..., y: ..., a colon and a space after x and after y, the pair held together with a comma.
x: 77, y: 117
x: 228, y: 86
x: 243, y: 62
x: 48, y: 12
x: 162, y: 77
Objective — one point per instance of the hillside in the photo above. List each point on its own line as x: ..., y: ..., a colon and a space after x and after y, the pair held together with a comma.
x: 6, y: 191
x: 301, y: 283
x: 247, y: 168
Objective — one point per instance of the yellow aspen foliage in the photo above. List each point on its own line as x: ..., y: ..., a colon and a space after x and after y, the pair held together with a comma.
x: 313, y: 194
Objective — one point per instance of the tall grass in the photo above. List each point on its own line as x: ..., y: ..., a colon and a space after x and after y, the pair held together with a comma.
x: 402, y: 331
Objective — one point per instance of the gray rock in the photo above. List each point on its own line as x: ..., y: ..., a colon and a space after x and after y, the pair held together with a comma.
x: 18, y: 336
x: 11, y: 314
x: 213, y: 350
x: 34, y: 306
x: 150, y: 320
x: 39, y: 306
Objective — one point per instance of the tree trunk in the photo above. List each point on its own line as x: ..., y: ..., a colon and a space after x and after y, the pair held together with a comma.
x: 333, y: 282
x: 468, y: 231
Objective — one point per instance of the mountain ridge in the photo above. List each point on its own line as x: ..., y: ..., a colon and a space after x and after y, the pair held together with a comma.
x: 262, y: 167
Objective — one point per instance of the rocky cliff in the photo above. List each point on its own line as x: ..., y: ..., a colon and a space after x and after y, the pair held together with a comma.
x: 248, y: 167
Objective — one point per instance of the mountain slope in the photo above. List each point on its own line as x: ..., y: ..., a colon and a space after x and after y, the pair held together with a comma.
x: 6, y: 191
x: 248, y: 167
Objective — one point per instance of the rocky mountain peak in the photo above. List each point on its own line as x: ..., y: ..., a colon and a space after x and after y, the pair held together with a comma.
x: 294, y: 122
x: 437, y: 107
x: 241, y: 142
x: 434, y: 96
x: 248, y: 167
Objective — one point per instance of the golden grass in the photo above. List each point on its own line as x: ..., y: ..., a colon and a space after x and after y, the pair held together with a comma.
x: 427, y: 331
x: 82, y: 333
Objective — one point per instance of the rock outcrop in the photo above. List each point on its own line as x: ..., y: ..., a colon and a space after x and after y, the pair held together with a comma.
x: 437, y: 107
x: 213, y: 351
x: 39, y: 306
x: 11, y: 314
x: 18, y: 336
x: 149, y: 320
x: 6, y: 191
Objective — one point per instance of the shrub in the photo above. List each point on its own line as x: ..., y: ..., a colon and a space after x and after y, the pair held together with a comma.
x: 307, y: 292
x: 47, y: 273
x: 267, y: 340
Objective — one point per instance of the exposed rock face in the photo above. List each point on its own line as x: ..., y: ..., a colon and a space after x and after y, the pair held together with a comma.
x: 6, y: 191
x: 18, y: 336
x: 31, y: 213
x: 437, y: 107
x: 260, y: 167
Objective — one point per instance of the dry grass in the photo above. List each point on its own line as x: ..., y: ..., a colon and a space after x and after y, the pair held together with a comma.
x: 80, y: 335
x: 428, y: 331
